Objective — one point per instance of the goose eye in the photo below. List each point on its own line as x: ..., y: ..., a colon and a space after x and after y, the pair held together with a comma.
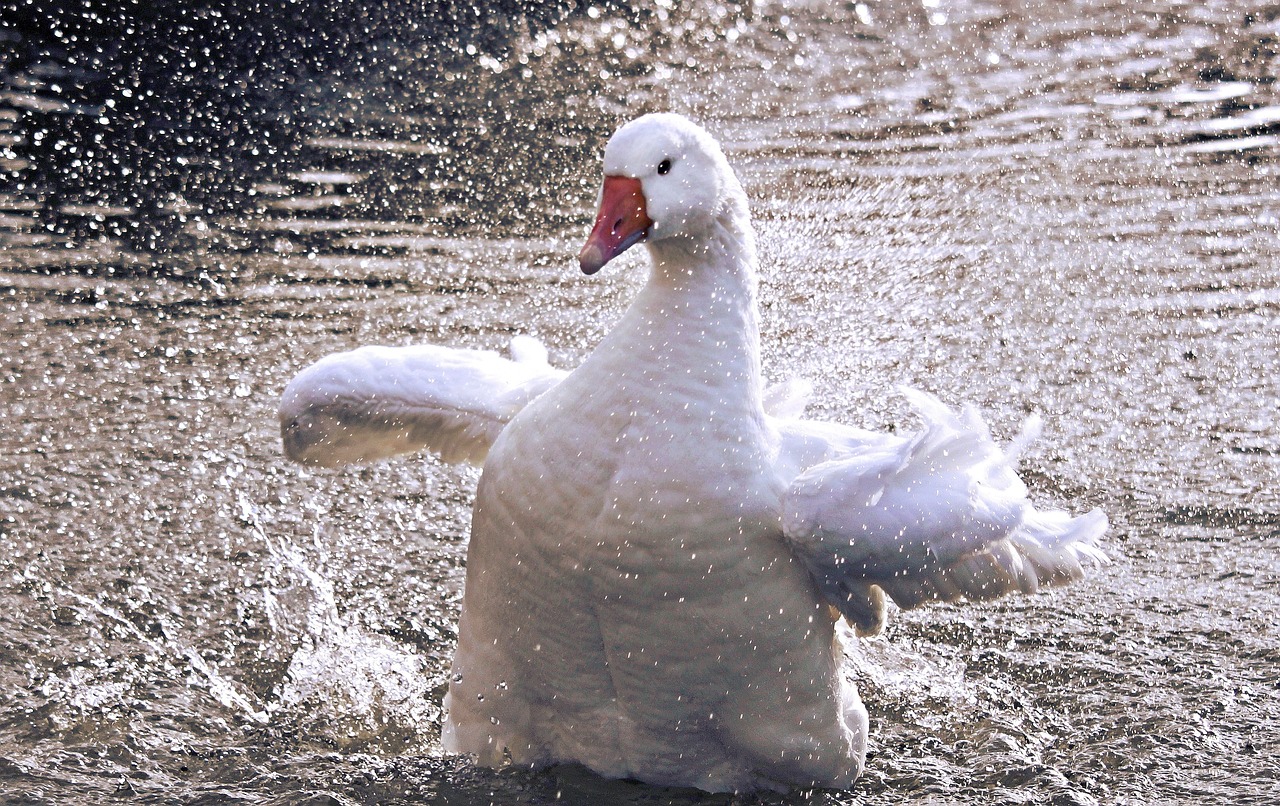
x: 664, y: 167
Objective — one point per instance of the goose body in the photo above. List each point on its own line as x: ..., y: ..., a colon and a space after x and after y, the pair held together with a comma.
x: 661, y: 549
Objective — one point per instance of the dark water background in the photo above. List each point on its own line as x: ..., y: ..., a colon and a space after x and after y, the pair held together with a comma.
x: 1071, y: 209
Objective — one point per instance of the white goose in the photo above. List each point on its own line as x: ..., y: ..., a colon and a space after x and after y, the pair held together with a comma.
x: 656, y: 547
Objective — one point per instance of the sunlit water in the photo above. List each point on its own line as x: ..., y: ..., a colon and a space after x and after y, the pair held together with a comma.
x: 1072, y: 211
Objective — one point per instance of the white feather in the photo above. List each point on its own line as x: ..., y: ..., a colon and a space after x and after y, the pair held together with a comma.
x: 377, y: 402
x: 374, y: 403
x: 941, y: 515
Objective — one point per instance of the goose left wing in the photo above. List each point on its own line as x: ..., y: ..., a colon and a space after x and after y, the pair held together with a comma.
x: 377, y: 402
x: 938, y: 516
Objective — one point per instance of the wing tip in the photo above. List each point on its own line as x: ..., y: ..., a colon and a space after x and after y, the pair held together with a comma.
x: 527, y: 350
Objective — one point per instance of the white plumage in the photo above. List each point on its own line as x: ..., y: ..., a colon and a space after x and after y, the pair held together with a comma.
x: 377, y: 402
x: 658, y: 541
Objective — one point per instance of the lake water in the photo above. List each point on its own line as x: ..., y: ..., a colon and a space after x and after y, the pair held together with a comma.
x: 1073, y: 210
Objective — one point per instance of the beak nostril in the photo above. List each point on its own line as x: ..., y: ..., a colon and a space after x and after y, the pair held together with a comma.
x: 621, y: 223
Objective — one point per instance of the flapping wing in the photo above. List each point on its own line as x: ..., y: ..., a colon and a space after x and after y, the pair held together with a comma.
x: 377, y: 402
x: 939, y: 516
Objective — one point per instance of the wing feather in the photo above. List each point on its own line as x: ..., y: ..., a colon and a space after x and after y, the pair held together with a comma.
x: 938, y: 516
x: 377, y: 402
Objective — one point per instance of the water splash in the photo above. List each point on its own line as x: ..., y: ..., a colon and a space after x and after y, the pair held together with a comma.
x: 345, y: 685
x: 203, y: 675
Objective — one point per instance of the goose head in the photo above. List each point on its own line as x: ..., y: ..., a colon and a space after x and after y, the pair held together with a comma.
x: 664, y: 178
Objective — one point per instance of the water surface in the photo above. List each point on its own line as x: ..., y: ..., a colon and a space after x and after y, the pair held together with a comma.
x: 1070, y: 210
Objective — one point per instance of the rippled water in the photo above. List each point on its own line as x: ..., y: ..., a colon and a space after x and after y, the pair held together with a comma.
x: 1072, y: 210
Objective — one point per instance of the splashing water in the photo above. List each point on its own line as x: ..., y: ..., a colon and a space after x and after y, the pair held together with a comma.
x: 347, y: 686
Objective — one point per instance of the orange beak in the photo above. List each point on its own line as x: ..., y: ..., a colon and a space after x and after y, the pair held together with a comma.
x: 621, y: 223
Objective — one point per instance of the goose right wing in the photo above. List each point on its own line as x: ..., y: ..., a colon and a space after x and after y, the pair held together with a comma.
x: 377, y: 402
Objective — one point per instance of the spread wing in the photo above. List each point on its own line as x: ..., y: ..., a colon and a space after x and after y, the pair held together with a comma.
x: 377, y: 402
x: 937, y: 516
